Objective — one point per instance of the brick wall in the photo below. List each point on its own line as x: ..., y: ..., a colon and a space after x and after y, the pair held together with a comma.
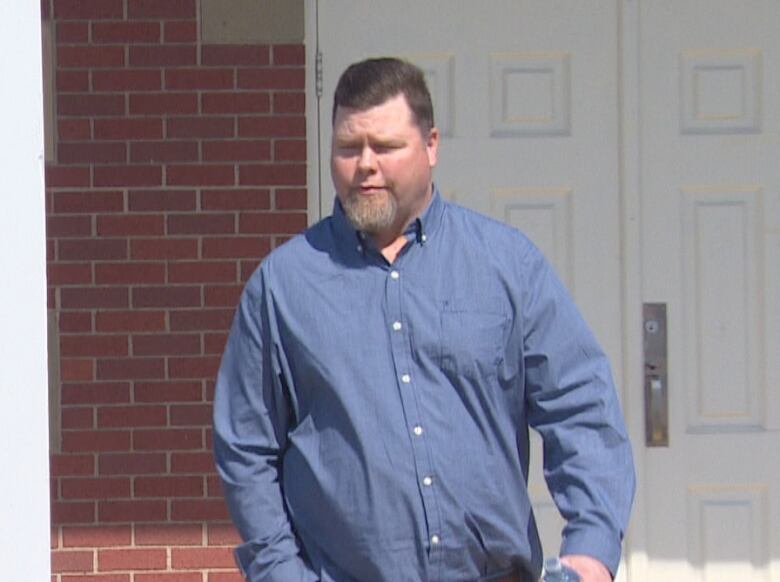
x: 179, y: 166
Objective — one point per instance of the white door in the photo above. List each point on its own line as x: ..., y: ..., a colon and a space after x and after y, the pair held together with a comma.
x: 710, y: 250
x: 525, y: 95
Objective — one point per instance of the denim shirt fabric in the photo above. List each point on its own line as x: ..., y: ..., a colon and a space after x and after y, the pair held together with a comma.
x: 371, y: 419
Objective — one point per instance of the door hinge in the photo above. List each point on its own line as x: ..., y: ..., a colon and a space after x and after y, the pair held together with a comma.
x: 318, y: 75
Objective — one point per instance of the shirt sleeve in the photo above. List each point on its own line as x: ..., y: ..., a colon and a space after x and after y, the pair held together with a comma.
x: 572, y: 403
x: 251, y: 416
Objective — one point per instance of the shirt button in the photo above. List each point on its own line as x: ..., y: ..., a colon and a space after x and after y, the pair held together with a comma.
x: 360, y: 248
x: 427, y: 481
x: 397, y: 325
x: 406, y: 378
x: 424, y: 238
x: 417, y: 430
x: 435, y: 540
x: 394, y: 274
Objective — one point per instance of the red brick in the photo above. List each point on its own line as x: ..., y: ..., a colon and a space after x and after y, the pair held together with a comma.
x: 272, y: 126
x: 191, y: 414
x: 201, y: 224
x: 95, y: 488
x: 271, y: 174
x: 95, y: 393
x: 132, y: 559
x: 193, y: 367
x: 159, y: 9
x: 125, y: 32
x: 83, y: 57
x: 200, y: 127
x: 74, y: 321
x: 186, y: 79
x: 186, y: 31
x: 129, y: 273
x: 201, y: 319
x: 72, y: 512
x: 134, y: 320
x: 161, y: 200
x: 164, y: 151
x: 272, y: 222
x: 81, y: 441
x: 163, y: 344
x: 289, y: 54
x: 85, y: 249
x: 222, y: 534
x: 168, y: 487
x: 169, y: 577
x: 291, y: 199
x: 225, y: 577
x: 168, y: 392
x: 163, y: 103
x: 92, y: 298
x: 68, y: 273
x: 201, y: 175
x: 132, y: 511
x: 91, y: 105
x: 66, y: 177
x: 72, y: 32
x: 236, y: 102
x: 236, y: 247
x: 163, y: 56
x: 71, y: 561
x: 232, y: 199
x: 72, y: 81
x: 169, y: 535
x: 239, y: 55
x: 93, y: 345
x: 72, y: 418
x: 131, y: 416
x: 88, y: 9
x: 272, y: 78
x: 202, y: 272
x: 202, y: 558
x: 128, y: 176
x: 174, y: 296
x: 214, y: 487
x: 68, y: 226
x: 184, y: 248
x: 96, y: 537
x: 72, y: 370
x: 167, y: 439
x: 91, y: 153
x: 197, y: 463
x: 131, y: 463
x: 90, y: 201
x: 73, y: 129
x: 292, y: 150
x: 214, y: 343
x: 130, y: 368
x: 236, y: 151
x: 289, y: 102
x: 127, y: 80
x: 97, y: 578
x: 71, y: 465
x: 128, y: 128
x: 130, y: 225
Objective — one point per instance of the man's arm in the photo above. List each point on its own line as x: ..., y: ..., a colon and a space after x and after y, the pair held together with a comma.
x: 250, y: 431
x: 572, y: 403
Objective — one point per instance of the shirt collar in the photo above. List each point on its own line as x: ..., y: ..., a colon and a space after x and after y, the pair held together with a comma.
x: 421, y: 228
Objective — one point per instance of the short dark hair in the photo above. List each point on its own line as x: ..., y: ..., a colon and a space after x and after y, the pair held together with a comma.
x: 371, y: 82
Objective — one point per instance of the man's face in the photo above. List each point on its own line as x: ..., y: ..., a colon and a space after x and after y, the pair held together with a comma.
x: 381, y: 165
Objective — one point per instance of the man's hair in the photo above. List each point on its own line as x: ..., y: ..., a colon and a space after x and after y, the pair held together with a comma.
x: 372, y: 82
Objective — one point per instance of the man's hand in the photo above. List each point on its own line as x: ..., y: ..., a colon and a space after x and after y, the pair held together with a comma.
x: 589, y: 569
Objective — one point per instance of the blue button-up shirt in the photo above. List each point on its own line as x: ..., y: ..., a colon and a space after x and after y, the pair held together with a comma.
x: 371, y: 419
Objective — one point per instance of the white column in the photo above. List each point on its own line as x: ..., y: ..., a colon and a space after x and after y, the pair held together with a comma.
x: 24, y: 441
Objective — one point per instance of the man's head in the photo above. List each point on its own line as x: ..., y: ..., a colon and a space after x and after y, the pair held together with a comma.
x: 384, y: 146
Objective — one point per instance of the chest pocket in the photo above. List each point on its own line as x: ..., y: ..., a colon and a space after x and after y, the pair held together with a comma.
x: 473, y: 333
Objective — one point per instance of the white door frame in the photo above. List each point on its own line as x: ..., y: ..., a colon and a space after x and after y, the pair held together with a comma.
x: 632, y: 397
x: 24, y: 454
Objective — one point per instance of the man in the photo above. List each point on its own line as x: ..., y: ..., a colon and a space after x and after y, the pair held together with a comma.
x: 374, y: 399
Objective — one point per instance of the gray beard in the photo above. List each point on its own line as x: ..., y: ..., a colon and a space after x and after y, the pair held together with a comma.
x: 369, y: 215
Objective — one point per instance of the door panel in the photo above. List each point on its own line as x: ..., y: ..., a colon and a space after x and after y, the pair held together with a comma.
x: 710, y: 218
x: 525, y: 95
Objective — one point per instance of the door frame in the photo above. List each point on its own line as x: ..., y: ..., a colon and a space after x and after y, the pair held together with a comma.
x: 632, y: 397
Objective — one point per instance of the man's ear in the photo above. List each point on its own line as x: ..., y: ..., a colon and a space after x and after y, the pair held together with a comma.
x: 432, y: 145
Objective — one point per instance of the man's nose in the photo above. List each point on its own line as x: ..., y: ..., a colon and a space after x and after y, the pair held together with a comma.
x: 367, y: 160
